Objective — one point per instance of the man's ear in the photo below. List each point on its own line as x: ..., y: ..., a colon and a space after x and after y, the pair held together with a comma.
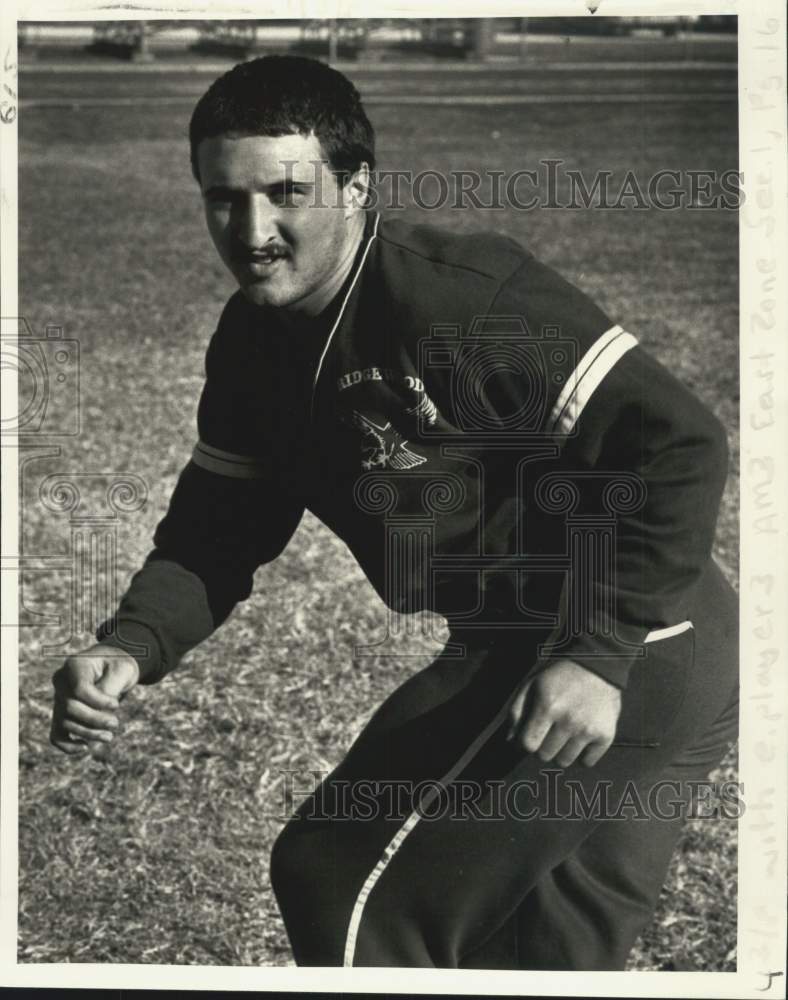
x: 357, y: 191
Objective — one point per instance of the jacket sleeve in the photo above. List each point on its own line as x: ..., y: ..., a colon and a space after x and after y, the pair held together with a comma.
x: 672, y: 451
x: 621, y: 416
x: 227, y: 515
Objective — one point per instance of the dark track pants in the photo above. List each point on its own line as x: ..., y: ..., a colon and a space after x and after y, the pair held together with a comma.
x: 438, y: 843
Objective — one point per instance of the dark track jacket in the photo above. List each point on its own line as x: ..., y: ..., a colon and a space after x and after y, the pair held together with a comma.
x: 488, y: 443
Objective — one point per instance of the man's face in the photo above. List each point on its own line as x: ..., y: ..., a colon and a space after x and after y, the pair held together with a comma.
x: 276, y: 215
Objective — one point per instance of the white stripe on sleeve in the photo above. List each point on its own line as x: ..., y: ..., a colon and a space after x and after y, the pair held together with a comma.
x: 598, y: 360
x: 227, y: 463
x: 669, y: 632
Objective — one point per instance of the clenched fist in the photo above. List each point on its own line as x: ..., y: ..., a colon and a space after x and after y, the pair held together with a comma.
x: 88, y: 689
x: 566, y: 711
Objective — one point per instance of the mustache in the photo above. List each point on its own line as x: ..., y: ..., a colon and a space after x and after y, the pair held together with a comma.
x: 240, y: 251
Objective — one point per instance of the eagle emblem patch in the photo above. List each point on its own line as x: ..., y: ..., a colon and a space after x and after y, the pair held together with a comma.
x: 383, y: 447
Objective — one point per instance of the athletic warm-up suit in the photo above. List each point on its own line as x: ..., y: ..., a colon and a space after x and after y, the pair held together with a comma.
x: 493, y: 448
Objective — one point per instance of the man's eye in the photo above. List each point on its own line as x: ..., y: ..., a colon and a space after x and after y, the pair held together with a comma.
x: 287, y: 197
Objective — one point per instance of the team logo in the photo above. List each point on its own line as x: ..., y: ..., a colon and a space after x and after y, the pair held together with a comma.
x: 383, y: 447
x: 423, y: 408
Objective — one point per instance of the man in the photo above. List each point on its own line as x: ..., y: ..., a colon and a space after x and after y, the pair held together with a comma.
x: 491, y: 447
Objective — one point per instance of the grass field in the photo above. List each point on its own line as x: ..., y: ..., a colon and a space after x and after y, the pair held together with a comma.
x: 156, y: 850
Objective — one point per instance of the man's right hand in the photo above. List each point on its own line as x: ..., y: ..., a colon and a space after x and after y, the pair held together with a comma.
x: 88, y: 689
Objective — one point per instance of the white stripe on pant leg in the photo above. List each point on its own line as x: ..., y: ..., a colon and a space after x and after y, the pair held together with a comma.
x: 410, y: 823
x: 369, y: 885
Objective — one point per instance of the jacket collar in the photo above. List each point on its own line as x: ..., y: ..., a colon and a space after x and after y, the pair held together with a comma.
x: 371, y: 225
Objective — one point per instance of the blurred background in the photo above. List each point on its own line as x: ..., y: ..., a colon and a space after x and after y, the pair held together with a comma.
x: 367, y: 40
x: 156, y: 849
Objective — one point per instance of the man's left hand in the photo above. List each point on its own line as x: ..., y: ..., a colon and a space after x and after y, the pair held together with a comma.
x: 564, y: 713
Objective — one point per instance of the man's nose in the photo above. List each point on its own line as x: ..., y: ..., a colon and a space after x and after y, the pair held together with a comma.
x: 257, y: 222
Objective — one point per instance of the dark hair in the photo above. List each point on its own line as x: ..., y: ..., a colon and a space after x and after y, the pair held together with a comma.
x: 285, y: 95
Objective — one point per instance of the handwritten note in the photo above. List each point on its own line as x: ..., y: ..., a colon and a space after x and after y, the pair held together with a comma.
x: 10, y: 99
x: 763, y: 510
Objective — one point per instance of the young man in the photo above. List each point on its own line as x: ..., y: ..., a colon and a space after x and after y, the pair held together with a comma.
x: 491, y: 447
